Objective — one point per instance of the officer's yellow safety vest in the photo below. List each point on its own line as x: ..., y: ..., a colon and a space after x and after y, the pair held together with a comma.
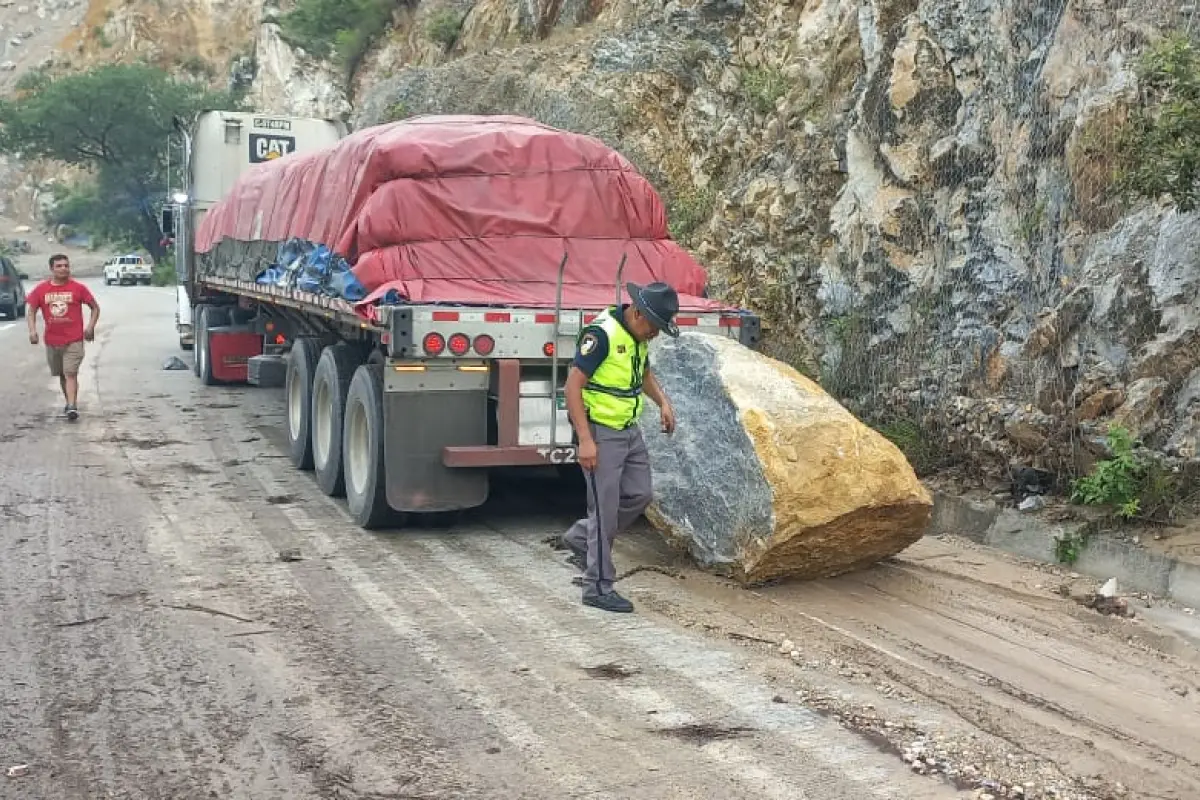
x: 613, y: 396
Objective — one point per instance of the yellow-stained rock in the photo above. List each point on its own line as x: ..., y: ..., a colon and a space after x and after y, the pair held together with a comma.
x: 767, y: 476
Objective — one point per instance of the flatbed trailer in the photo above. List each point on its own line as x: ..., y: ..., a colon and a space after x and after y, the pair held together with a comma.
x: 401, y: 406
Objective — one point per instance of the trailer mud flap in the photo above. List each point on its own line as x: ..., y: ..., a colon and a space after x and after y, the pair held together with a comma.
x: 417, y: 426
x: 230, y: 350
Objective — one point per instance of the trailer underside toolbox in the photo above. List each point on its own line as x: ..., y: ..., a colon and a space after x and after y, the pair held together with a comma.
x: 267, y: 371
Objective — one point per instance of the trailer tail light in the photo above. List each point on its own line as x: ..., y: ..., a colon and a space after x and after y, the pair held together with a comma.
x: 548, y: 349
x: 459, y: 344
x: 484, y: 344
x: 434, y: 344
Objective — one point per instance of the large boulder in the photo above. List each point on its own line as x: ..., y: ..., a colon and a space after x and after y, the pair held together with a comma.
x: 766, y: 475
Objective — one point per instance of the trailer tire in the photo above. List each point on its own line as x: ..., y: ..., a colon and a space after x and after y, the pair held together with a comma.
x: 331, y: 382
x: 298, y: 384
x: 362, y: 451
x: 207, y: 317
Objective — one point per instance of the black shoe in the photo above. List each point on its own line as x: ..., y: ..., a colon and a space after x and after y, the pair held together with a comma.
x: 72, y: 413
x: 609, y: 602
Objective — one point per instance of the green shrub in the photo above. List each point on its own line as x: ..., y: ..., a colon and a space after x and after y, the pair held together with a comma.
x: 443, y: 28
x: 918, y: 444
x: 1158, y: 150
x: 763, y: 87
x: 164, y: 273
x: 688, y: 210
x: 344, y: 29
x: 1131, y: 484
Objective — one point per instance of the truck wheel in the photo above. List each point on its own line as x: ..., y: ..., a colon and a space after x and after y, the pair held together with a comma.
x: 302, y: 363
x: 331, y: 382
x: 207, y: 317
x: 362, y: 450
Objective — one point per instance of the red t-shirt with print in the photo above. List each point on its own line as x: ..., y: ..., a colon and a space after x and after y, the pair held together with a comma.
x: 62, y: 309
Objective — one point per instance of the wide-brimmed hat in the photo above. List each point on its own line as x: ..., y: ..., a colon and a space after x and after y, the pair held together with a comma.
x: 658, y: 302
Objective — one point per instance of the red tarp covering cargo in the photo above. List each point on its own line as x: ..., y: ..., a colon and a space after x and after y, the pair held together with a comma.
x: 467, y: 209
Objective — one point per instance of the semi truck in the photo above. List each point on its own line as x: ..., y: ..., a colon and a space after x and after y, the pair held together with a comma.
x: 417, y: 289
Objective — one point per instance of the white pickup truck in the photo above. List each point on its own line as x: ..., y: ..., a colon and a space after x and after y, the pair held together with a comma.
x: 127, y: 269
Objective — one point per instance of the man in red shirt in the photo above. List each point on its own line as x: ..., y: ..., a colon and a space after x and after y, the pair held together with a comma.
x: 61, y: 300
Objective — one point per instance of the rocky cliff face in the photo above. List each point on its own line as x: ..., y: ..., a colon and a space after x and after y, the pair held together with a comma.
x: 915, y: 193
x: 226, y: 42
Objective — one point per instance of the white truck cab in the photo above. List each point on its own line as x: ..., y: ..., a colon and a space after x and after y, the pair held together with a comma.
x: 131, y: 269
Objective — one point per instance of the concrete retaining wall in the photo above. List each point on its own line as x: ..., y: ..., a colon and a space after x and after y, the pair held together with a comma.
x: 1029, y: 536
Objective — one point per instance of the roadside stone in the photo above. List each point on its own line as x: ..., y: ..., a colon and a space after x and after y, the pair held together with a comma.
x: 1098, y: 404
x: 1140, y: 411
x: 1028, y: 430
x: 767, y: 476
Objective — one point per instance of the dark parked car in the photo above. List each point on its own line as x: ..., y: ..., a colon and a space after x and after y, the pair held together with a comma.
x: 12, y: 290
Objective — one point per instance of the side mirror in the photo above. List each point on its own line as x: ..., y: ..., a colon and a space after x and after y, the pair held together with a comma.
x: 168, y: 221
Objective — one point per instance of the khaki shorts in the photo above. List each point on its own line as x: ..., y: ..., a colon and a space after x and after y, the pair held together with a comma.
x: 65, y: 360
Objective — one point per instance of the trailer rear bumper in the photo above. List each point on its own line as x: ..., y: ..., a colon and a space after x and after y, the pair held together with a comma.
x: 514, y: 456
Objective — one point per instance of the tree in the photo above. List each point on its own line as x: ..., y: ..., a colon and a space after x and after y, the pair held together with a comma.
x: 117, y: 121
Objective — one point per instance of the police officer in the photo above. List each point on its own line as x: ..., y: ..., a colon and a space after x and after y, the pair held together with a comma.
x: 606, y: 390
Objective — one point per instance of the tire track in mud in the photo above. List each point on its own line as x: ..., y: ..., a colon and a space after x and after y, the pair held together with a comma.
x: 1029, y: 723
x: 1007, y: 631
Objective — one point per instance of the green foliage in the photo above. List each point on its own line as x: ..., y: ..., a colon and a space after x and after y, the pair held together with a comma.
x: 195, y: 65
x: 688, y: 210
x: 396, y: 111
x: 116, y: 121
x: 1158, y: 150
x: 344, y: 29
x: 1067, y: 548
x: 164, y: 273
x: 918, y: 445
x: 443, y: 28
x: 1131, y: 484
x: 763, y: 87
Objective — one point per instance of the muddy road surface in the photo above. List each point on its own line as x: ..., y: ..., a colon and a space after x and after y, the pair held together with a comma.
x: 186, y: 616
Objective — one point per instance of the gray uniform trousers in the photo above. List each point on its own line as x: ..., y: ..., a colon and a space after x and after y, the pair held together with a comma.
x: 619, y: 489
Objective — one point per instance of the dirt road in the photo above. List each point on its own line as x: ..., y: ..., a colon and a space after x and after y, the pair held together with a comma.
x: 154, y: 644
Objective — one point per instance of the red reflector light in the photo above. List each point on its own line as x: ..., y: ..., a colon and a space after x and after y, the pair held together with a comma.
x: 279, y: 338
x: 548, y: 349
x: 484, y: 344
x: 445, y: 316
x: 588, y: 318
x: 497, y: 316
x: 731, y: 322
x: 685, y: 321
x: 433, y: 343
x: 544, y: 319
x: 459, y: 344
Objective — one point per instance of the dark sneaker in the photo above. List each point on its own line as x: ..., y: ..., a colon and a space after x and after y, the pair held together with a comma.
x: 72, y: 413
x: 609, y: 602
